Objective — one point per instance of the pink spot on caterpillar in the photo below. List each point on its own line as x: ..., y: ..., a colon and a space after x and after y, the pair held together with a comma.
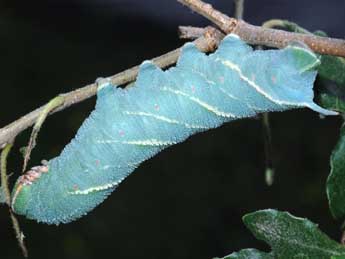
x: 121, y: 133
x: 75, y: 187
x: 221, y: 79
x: 274, y: 79
x: 97, y: 162
x: 157, y: 107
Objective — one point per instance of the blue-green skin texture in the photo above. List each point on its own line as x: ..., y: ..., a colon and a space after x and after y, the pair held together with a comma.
x: 129, y: 126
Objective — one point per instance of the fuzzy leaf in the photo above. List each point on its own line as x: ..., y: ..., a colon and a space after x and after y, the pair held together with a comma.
x: 332, y: 95
x: 249, y: 253
x: 333, y: 68
x: 336, y: 179
x: 332, y: 102
x: 291, y: 237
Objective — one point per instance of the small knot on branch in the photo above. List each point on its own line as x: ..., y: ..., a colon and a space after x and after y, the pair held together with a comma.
x: 213, y: 37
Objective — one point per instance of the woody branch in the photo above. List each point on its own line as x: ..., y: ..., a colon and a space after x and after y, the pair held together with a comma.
x: 209, y: 41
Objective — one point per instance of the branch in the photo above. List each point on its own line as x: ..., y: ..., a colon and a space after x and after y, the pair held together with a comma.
x: 265, y: 36
x: 190, y: 32
x: 249, y: 33
x: 207, y: 42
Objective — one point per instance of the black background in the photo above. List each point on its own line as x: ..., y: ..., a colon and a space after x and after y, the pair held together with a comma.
x: 188, y: 201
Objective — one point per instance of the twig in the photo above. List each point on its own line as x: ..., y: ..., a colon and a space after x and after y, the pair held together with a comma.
x: 205, y: 43
x: 5, y: 187
x: 51, y: 105
x: 190, y: 32
x: 4, y: 177
x: 266, y: 128
x: 224, y: 22
x: 19, y: 234
x: 239, y: 9
x: 264, y: 36
x: 250, y: 33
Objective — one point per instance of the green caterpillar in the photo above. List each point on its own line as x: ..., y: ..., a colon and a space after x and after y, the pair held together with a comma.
x: 129, y: 126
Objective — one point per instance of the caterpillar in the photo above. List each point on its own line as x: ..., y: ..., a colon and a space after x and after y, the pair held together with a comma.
x: 163, y: 108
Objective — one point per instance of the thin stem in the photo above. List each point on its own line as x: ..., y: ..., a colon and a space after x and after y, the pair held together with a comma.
x: 239, y: 9
x: 264, y: 36
x: 269, y: 173
x: 19, y: 234
x: 274, y: 23
x: 4, y: 177
x: 208, y: 42
x: 266, y: 125
x: 51, y: 105
x: 6, y: 189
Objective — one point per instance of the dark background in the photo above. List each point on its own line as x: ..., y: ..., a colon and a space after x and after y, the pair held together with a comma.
x: 188, y: 201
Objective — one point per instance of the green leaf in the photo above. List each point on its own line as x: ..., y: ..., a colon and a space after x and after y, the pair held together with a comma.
x: 332, y: 95
x: 336, y: 179
x: 333, y: 68
x: 338, y: 257
x: 249, y: 254
x: 291, y: 237
x: 331, y: 102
